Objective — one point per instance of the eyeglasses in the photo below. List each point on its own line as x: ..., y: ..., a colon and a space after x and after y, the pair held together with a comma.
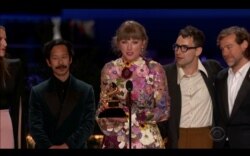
x: 183, y: 48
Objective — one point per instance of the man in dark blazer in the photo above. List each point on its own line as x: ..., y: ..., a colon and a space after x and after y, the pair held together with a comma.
x: 62, y: 108
x: 191, y: 90
x: 233, y: 90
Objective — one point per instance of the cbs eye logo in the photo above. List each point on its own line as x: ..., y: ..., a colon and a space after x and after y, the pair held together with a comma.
x: 217, y: 133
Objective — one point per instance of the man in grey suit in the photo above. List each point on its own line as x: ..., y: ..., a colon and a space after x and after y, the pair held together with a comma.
x: 191, y: 92
x: 62, y: 108
x: 233, y: 90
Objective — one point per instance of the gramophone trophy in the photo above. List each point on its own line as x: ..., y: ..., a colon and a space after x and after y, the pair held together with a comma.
x: 115, y: 108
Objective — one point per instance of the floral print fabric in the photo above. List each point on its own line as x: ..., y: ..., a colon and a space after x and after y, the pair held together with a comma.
x: 150, y: 104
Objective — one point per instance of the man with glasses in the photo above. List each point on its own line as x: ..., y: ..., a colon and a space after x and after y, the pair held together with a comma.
x: 191, y: 91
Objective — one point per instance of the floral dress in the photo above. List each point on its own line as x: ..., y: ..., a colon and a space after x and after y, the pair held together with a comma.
x: 150, y: 104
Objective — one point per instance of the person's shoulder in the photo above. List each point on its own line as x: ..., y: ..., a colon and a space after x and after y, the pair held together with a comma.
x: 112, y: 62
x: 108, y: 63
x: 15, y: 65
x: 14, y: 61
x: 152, y: 62
x: 169, y: 66
x: 222, y: 73
x: 154, y: 65
x: 158, y: 65
x: 213, y: 66
x: 83, y: 83
x: 211, y: 62
x: 41, y: 86
x: 80, y: 83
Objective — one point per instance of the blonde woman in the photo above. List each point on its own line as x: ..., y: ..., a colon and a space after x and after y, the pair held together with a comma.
x: 135, y: 82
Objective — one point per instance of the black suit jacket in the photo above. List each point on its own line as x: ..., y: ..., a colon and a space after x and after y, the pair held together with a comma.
x: 237, y: 126
x: 52, y: 123
x: 12, y: 98
x: 212, y: 67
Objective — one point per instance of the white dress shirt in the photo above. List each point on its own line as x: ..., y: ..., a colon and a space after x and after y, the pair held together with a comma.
x: 196, y: 110
x: 234, y: 82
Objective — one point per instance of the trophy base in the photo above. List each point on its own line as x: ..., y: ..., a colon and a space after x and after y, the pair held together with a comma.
x: 113, y: 113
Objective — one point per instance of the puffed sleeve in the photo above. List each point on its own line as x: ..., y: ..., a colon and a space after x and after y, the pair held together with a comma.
x: 161, y: 99
x: 111, y: 125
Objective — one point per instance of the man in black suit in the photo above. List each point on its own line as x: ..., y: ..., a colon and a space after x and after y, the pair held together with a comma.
x: 62, y: 108
x: 191, y: 92
x: 233, y: 90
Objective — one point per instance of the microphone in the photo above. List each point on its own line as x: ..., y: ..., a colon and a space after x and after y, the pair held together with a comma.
x: 129, y: 85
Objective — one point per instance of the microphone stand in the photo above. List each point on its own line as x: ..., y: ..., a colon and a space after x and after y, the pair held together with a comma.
x: 129, y: 87
x: 130, y: 118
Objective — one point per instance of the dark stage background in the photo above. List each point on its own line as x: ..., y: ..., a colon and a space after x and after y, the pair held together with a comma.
x: 91, y: 30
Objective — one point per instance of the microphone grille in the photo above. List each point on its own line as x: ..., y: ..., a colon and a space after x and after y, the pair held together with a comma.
x: 129, y: 85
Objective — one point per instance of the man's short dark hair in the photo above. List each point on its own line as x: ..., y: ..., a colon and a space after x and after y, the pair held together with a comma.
x: 49, y: 45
